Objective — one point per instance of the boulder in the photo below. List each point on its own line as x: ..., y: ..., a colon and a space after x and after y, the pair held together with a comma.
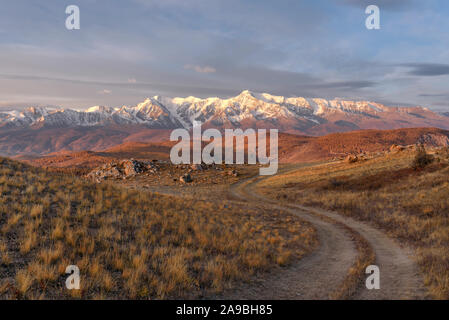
x: 132, y: 167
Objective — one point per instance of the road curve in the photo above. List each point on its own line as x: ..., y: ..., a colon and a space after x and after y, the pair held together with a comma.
x: 319, y: 274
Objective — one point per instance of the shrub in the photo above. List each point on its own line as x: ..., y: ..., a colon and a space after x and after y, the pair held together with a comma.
x: 445, y: 152
x: 422, y: 158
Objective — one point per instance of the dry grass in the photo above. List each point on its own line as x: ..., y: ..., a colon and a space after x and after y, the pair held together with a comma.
x: 130, y: 244
x: 411, y: 205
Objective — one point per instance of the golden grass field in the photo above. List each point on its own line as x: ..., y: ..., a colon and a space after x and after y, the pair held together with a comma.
x: 411, y: 205
x: 131, y: 244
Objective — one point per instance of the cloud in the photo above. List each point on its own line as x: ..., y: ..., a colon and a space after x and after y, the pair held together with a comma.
x: 382, y: 4
x: 427, y: 69
x: 105, y: 91
x: 351, y: 85
x: 200, y: 69
x: 21, y: 105
x: 434, y: 95
x: 217, y: 48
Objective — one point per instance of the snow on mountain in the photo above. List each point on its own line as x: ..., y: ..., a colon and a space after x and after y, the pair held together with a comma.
x: 285, y: 113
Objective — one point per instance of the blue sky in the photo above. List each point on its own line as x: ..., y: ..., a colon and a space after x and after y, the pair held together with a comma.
x: 128, y: 50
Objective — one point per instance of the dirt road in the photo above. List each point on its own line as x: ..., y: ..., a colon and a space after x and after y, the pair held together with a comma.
x: 319, y: 274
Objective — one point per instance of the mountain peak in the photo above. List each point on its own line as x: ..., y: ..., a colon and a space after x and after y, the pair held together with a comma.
x: 36, y: 112
x: 100, y: 109
x: 36, y: 109
x: 246, y: 93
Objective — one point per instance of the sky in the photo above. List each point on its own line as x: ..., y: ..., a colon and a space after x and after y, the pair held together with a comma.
x: 127, y: 50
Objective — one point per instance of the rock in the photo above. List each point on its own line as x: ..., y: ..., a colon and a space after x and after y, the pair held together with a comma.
x: 186, y: 178
x: 121, y: 170
x: 232, y: 173
x: 132, y: 167
x: 434, y: 140
x: 395, y: 148
x: 351, y: 158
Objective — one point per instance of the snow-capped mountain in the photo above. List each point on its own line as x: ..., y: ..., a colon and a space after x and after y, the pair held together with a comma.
x: 248, y: 109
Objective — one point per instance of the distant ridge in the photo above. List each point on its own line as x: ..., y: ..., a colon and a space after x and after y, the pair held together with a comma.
x: 292, y: 148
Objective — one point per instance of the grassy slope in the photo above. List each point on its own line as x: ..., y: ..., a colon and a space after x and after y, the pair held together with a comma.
x: 412, y: 206
x: 131, y: 244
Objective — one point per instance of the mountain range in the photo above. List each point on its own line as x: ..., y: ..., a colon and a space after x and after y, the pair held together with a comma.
x: 40, y: 130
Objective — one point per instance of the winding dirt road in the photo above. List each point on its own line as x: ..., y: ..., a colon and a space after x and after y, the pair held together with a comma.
x: 322, y: 272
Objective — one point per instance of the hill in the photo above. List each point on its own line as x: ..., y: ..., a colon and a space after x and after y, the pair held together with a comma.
x: 298, y: 149
x: 131, y: 244
x: 410, y: 203
x: 292, y: 148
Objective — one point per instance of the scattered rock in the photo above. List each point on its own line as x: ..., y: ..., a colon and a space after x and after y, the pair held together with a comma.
x: 122, y: 170
x: 232, y: 173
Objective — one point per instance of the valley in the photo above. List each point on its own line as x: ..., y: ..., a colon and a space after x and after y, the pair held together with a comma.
x: 221, y: 230
x: 299, y: 247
